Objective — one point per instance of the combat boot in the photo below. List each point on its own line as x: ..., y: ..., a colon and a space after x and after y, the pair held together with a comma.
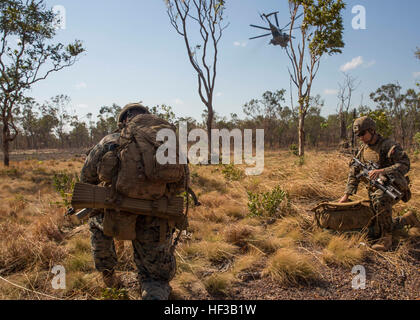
x: 110, y: 279
x: 384, y: 243
x: 410, y: 219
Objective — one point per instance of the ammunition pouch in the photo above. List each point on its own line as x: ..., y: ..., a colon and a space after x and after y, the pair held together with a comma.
x: 120, y: 225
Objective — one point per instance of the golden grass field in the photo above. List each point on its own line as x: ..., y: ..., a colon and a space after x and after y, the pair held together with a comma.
x: 226, y: 252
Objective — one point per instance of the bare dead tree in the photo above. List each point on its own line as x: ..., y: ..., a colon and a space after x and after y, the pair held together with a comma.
x: 208, y: 16
x: 345, y: 91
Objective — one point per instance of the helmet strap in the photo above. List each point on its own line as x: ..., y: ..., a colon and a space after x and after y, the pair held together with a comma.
x: 373, y: 137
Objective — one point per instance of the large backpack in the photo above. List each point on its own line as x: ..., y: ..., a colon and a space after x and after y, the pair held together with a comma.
x: 140, y: 175
x: 131, y: 167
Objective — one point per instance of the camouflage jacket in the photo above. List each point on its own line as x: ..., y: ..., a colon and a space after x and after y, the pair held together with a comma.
x: 89, y: 172
x: 387, y: 154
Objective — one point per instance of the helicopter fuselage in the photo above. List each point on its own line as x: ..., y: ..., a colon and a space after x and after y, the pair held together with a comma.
x: 279, y: 38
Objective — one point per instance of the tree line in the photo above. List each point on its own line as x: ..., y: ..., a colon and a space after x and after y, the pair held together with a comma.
x: 52, y: 124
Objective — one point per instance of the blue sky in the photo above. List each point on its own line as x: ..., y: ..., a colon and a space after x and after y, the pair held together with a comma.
x: 133, y: 54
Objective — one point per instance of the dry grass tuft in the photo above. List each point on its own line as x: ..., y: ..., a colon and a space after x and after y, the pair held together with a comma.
x: 248, y: 262
x: 290, y: 227
x: 321, y: 237
x: 344, y: 251
x: 219, y: 283
x: 187, y: 285
x: 239, y: 235
x: 48, y: 229
x: 271, y: 244
x: 235, y: 211
x: 214, y: 252
x: 80, y: 261
x: 213, y: 200
x: 288, y: 266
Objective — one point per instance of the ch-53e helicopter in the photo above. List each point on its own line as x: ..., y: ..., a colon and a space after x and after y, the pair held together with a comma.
x: 280, y: 38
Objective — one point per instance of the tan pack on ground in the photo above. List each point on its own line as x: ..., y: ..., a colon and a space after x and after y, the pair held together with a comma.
x: 348, y: 216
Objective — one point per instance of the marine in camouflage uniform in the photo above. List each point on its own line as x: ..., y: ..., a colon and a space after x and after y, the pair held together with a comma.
x: 391, y: 159
x: 153, y: 255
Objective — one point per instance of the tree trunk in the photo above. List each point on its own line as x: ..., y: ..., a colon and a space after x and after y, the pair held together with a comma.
x: 5, y: 145
x: 301, y: 134
x: 209, y: 127
x: 352, y: 132
x: 343, y: 129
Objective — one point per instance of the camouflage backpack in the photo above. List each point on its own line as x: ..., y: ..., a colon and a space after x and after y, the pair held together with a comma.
x: 132, y: 170
x: 348, y: 216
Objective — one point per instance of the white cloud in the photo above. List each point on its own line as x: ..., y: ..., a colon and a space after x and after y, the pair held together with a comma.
x: 81, y: 85
x: 240, y: 44
x: 369, y: 64
x: 330, y: 91
x: 218, y: 94
x: 416, y: 74
x: 82, y: 106
x: 178, y: 101
x: 353, y: 64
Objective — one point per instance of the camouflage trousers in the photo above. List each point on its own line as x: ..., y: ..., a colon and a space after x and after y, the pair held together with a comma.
x: 153, y: 257
x: 382, y: 206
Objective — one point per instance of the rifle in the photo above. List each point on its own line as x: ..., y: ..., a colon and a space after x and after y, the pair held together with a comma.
x: 81, y: 214
x: 388, y: 188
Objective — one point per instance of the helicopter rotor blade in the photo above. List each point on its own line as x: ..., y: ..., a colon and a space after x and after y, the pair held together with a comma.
x: 264, y: 28
x: 263, y: 35
x: 299, y: 16
x: 270, y: 14
x: 286, y: 25
x: 291, y: 21
x: 295, y: 28
x: 277, y: 20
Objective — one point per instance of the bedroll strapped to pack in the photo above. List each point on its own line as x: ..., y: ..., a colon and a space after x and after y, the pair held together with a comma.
x: 348, y: 216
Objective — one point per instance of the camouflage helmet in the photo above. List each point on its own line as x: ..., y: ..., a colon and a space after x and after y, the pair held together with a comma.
x: 362, y: 124
x: 131, y: 106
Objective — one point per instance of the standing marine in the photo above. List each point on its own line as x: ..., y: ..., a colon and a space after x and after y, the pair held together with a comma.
x: 391, y: 160
x: 152, y: 245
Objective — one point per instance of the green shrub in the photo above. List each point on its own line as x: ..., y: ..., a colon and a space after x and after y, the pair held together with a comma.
x: 301, y: 161
x: 417, y: 141
x: 114, y: 294
x: 294, y: 149
x: 10, y: 172
x: 266, y: 203
x: 64, y: 184
x: 232, y: 173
